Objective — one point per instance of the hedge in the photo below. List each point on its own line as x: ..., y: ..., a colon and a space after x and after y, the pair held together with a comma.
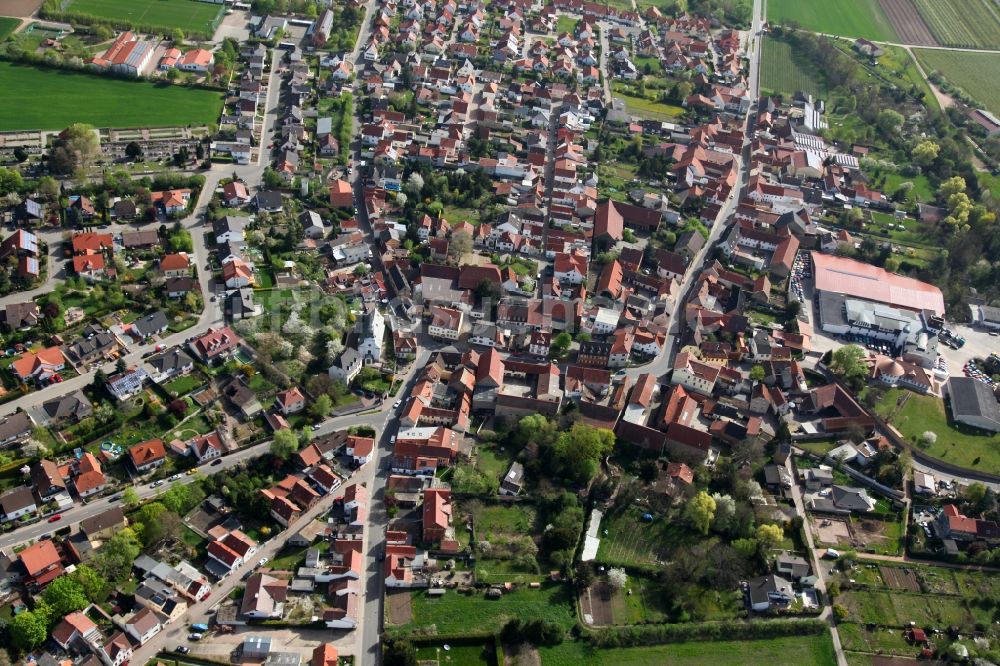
x: 653, y: 634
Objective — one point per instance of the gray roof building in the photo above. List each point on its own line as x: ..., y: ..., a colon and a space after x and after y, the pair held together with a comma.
x: 151, y: 324
x: 70, y: 407
x: 973, y: 403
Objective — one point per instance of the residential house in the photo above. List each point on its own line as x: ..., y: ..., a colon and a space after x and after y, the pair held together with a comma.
x: 70, y: 408
x: 291, y: 401
x: 206, y: 447
x: 41, y: 563
x: 124, y: 385
x: 770, y: 592
x: 147, y: 455
x: 17, y: 503
x: 16, y: 427
x: 90, y: 478
x: 143, y: 625
x: 216, y: 344
x: 264, y: 598
x: 40, y: 365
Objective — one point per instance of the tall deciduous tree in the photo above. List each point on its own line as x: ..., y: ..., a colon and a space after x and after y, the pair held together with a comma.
x: 700, y: 511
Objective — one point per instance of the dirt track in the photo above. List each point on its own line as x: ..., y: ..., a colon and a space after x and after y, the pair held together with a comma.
x: 907, y: 22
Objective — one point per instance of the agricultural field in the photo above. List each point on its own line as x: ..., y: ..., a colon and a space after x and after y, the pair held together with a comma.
x: 7, y: 26
x: 188, y: 15
x: 455, y: 612
x: 39, y: 98
x: 963, y: 23
x: 791, y: 651
x: 907, y: 22
x: 967, y: 71
x: 783, y: 72
x: 849, y: 18
x: 956, y: 443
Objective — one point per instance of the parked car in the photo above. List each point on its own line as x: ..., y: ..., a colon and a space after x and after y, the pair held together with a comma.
x: 263, y: 561
x: 156, y: 484
x: 194, y: 637
x: 175, y: 477
x: 217, y: 461
x: 182, y: 649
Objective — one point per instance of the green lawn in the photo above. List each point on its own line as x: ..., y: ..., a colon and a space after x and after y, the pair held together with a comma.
x: 850, y: 18
x: 819, y: 447
x: 493, y: 462
x: 455, y: 612
x: 967, y: 71
x: 565, y: 24
x: 458, y: 655
x: 493, y: 521
x: 896, y: 609
x: 956, y: 443
x: 183, y: 385
x: 49, y: 99
x: 505, y: 571
x: 7, y: 26
x: 190, y: 15
x: 792, y: 651
x: 785, y: 71
x: 645, y: 108
x: 883, y: 641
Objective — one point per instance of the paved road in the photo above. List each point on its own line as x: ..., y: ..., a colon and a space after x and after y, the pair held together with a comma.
x: 369, y: 649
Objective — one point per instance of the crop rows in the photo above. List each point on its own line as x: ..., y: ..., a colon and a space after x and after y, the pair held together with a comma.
x: 962, y: 23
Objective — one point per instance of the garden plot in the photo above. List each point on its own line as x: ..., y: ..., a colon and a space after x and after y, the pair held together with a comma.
x: 627, y: 539
x: 636, y: 603
x: 900, y: 579
x: 504, y: 543
x: 898, y: 609
x: 400, y: 609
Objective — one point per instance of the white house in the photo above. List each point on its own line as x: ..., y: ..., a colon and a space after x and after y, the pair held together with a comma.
x: 371, y: 333
x: 347, y: 367
x: 143, y: 626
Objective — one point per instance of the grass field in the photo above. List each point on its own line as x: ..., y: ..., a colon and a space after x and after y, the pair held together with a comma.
x: 897, y: 609
x: 7, y: 26
x: 794, y: 651
x: 39, y: 98
x: 456, y: 612
x: 957, y: 444
x: 782, y: 72
x: 850, y: 18
x: 963, y: 23
x: 565, y: 24
x: 190, y: 15
x: 968, y: 71
x: 644, y: 108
